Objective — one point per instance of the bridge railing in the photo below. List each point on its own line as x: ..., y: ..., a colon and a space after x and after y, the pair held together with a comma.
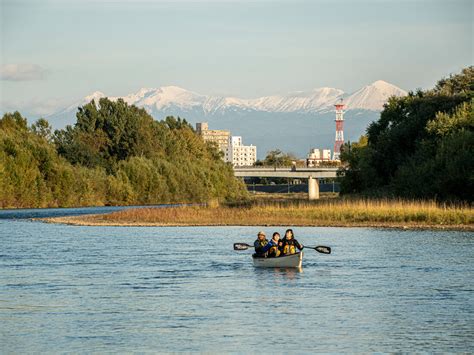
x: 287, y: 168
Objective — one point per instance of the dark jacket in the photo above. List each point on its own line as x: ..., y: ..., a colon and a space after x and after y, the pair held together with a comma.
x: 289, y: 245
x: 259, y: 245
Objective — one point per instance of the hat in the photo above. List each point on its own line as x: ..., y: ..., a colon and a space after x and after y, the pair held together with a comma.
x: 261, y: 233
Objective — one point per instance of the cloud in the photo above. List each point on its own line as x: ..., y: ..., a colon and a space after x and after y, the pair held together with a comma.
x: 35, y: 107
x: 22, y: 72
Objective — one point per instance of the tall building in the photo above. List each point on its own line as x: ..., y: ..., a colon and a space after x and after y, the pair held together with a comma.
x: 220, y: 137
x: 234, y: 151
x: 241, y: 155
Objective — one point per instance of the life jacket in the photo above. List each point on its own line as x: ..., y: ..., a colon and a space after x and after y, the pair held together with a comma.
x: 289, y: 246
x: 274, y: 251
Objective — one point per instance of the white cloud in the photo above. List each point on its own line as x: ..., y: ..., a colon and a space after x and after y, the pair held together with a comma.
x: 33, y: 108
x: 22, y: 72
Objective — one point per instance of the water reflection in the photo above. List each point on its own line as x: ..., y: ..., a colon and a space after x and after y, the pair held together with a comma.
x: 271, y: 278
x: 277, y: 272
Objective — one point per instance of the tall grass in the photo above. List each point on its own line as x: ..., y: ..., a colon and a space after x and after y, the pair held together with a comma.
x: 324, y: 212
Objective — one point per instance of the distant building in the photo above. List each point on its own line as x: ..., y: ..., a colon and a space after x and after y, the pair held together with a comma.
x: 241, y: 155
x: 234, y: 151
x: 220, y: 137
x: 317, y: 156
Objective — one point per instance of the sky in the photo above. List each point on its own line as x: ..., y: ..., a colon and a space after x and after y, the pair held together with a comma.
x: 54, y: 52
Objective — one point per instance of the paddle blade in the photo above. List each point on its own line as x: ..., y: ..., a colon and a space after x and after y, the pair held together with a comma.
x: 241, y: 246
x: 323, y: 250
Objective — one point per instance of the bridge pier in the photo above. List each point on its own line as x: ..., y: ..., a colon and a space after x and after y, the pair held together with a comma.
x: 313, y: 188
x: 312, y: 174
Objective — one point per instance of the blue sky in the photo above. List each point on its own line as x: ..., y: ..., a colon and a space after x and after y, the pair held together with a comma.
x: 54, y: 52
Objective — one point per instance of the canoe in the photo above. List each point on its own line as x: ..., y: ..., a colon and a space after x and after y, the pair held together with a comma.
x: 293, y: 260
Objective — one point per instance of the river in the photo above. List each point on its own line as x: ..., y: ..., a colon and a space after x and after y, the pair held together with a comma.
x: 174, y: 289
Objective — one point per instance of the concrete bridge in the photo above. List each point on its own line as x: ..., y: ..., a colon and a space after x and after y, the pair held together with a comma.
x: 312, y: 174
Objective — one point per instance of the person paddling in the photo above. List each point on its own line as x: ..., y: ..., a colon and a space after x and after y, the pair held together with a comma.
x: 260, y: 243
x: 273, y: 246
x: 289, y: 243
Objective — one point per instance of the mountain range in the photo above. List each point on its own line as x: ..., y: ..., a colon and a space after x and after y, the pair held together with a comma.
x: 297, y: 121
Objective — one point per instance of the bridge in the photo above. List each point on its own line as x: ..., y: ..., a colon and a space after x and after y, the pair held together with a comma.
x: 312, y: 174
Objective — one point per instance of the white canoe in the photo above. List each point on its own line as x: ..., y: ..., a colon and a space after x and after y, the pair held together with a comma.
x: 293, y: 260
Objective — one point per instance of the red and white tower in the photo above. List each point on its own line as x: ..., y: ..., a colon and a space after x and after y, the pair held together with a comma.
x: 339, y: 130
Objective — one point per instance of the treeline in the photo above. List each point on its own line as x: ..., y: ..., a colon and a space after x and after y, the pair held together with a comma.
x: 114, y: 154
x: 421, y: 147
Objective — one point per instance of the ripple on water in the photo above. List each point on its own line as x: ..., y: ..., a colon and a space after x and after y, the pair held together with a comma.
x: 95, y: 289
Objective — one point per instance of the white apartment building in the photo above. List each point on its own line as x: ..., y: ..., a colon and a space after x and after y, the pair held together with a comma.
x: 240, y: 155
x: 317, y: 156
x: 234, y: 151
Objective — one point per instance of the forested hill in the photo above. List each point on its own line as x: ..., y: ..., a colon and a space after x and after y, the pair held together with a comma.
x: 421, y: 147
x: 114, y: 154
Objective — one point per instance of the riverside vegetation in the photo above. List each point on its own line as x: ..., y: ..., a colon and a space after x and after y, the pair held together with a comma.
x: 115, y: 154
x: 329, y: 212
x: 421, y: 147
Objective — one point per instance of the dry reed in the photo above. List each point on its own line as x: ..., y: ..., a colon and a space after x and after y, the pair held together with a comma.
x: 331, y: 212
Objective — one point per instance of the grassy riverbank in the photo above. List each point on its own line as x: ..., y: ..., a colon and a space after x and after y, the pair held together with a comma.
x: 330, y: 212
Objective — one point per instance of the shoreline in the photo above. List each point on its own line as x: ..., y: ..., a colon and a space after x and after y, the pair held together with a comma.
x: 95, y: 220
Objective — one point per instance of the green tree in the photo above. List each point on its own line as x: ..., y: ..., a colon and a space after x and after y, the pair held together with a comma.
x: 421, y: 147
x: 114, y: 154
x: 43, y: 129
x: 278, y: 158
x: 162, y: 160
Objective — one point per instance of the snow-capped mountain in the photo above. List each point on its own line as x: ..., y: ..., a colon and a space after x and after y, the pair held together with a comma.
x: 171, y: 99
x: 372, y: 97
x: 165, y: 97
x: 294, y: 122
x: 312, y: 101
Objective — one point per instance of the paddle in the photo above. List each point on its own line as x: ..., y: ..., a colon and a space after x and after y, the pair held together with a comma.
x: 241, y: 246
x: 320, y: 249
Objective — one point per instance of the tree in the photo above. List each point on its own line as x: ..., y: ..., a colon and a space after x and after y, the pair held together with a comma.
x: 172, y: 157
x: 43, y: 129
x: 462, y: 83
x: 416, y: 141
x: 114, y: 154
x: 278, y: 158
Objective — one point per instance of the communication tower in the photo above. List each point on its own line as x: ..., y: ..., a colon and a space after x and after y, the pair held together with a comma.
x: 339, y: 130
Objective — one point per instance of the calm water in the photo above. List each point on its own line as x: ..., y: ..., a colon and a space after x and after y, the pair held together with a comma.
x: 83, y: 289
